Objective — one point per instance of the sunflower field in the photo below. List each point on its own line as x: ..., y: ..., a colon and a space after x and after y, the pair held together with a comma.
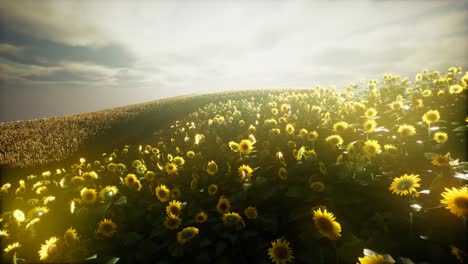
x: 375, y: 173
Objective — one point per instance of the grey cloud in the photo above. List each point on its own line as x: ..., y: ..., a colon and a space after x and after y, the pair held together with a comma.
x: 39, y: 51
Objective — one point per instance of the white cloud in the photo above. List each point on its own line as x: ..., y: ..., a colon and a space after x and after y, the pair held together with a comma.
x: 182, y: 46
x: 11, y: 49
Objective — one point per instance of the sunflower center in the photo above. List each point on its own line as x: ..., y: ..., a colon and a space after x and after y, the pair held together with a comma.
x: 107, y: 228
x: 89, y: 196
x: 245, y: 146
x: 162, y: 194
x: 223, y: 206
x: 130, y: 180
x: 187, y: 234
x: 461, y: 202
x: 325, y: 224
x: 404, y: 185
x: 52, y: 249
x: 174, y: 210
x: 281, y: 252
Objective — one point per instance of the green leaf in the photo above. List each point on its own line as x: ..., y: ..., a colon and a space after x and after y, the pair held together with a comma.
x: 404, y: 261
x: 461, y: 128
x: 101, y: 210
x: 121, y: 201
x: 429, y: 155
x: 112, y: 260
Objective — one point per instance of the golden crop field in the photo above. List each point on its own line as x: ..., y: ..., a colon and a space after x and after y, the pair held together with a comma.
x: 376, y: 173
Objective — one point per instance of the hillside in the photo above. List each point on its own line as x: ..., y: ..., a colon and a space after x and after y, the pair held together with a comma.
x: 376, y: 173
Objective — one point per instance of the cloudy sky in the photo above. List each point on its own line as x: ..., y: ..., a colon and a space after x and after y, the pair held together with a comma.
x: 63, y: 57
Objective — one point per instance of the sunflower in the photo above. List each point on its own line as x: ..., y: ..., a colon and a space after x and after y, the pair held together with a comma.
x: 426, y: 93
x: 334, y: 140
x: 49, y: 249
x: 441, y: 161
x: 312, y: 136
x: 163, y: 193
x: 431, y: 116
x: 194, y: 184
x: 175, y: 192
x: 172, y: 222
x: 212, y: 189
x: 171, y: 168
x: 280, y: 252
x: 245, y: 172
x: 369, y: 126
x: 141, y: 169
x: 406, y: 130
x: 3, y: 233
x: 303, y: 131
x: 245, y: 146
x: 130, y: 180
x: 12, y: 247
x: 418, y: 103
x: 37, y: 211
x: 106, y: 228
x: 88, y: 196
x: 108, y: 193
x: 283, y: 173
x: 190, y: 154
x: 455, y: 89
x: 390, y: 148
x: 376, y: 259
x: 322, y: 167
x: 233, y: 146
x: 340, y: 127
x: 440, y: 137
x: 289, y: 129
x: 251, y: 212
x: 187, y: 234
x: 317, y: 186
x: 326, y: 224
x: 77, y: 180
x: 70, y: 236
x: 274, y: 111
x: 456, y: 200
x: 370, y: 113
x: 136, y: 163
x: 201, y: 217
x: 396, y: 105
x: 136, y: 185
x: 232, y: 219
x: 179, y: 160
x: 212, y: 168
x: 89, y: 176
x: 316, y: 110
x: 111, y: 167
x: 405, y: 185
x: 352, y: 150
x: 223, y: 206
x: 371, y: 148
x: 150, y: 175
x: 275, y: 131
x: 174, y: 207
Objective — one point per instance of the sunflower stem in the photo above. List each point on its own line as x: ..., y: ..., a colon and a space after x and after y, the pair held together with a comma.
x: 465, y: 230
x: 410, y: 219
x: 429, y: 130
x: 411, y: 225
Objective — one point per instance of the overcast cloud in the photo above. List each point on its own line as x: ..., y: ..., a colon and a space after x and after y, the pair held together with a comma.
x: 63, y: 57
